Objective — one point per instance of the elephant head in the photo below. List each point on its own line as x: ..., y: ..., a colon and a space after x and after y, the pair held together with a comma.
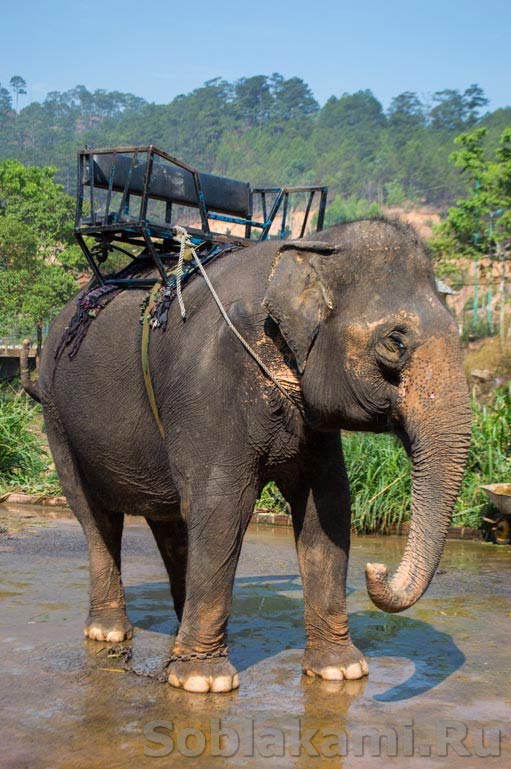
x: 376, y: 350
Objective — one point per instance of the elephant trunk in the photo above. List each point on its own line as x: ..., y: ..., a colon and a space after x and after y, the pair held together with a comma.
x: 436, y: 424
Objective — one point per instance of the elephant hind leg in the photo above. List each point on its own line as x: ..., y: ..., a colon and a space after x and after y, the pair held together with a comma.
x: 107, y: 619
x: 172, y: 540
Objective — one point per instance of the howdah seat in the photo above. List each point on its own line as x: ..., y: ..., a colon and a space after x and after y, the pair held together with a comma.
x: 137, y: 195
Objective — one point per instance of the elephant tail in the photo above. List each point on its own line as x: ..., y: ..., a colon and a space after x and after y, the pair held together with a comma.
x: 30, y: 387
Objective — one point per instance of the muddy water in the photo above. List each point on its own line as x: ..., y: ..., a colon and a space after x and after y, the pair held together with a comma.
x: 439, y: 672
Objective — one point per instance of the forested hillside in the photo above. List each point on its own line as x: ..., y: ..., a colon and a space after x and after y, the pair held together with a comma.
x: 268, y: 130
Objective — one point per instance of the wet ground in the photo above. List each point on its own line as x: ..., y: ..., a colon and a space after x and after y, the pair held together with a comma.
x: 438, y: 694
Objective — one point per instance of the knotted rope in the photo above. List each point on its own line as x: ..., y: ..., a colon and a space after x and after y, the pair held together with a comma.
x: 182, y: 236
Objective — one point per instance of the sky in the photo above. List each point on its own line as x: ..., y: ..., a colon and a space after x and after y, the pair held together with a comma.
x: 158, y: 49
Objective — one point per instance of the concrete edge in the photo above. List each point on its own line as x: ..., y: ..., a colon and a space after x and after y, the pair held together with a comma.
x: 261, y: 515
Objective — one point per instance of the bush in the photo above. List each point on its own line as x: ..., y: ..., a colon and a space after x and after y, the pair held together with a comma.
x: 24, y: 465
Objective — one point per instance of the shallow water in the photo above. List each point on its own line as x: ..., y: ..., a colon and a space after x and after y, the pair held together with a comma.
x: 438, y: 671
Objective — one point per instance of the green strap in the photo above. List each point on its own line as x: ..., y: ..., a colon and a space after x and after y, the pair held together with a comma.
x: 145, y: 356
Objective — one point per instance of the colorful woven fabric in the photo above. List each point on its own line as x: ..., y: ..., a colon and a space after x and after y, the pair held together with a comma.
x: 91, y: 302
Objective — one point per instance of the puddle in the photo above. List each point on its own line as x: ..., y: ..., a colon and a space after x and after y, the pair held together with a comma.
x: 65, y: 704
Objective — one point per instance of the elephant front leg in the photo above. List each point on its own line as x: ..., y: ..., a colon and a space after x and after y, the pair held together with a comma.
x: 218, y: 515
x: 321, y: 518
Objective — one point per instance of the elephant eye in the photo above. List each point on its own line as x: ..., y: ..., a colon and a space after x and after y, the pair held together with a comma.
x: 397, y: 339
x: 391, y: 350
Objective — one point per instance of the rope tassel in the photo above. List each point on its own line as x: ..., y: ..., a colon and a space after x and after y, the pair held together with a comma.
x: 182, y: 236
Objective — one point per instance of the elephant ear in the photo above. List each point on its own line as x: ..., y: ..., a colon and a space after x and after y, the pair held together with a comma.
x: 296, y: 297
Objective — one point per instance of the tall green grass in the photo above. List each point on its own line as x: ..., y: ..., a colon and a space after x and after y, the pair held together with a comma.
x: 24, y: 464
x: 379, y: 473
x: 489, y: 459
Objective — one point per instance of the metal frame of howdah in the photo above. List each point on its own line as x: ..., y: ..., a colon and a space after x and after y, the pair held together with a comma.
x: 129, y: 199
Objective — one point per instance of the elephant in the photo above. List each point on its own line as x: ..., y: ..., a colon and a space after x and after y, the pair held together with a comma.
x: 348, y: 333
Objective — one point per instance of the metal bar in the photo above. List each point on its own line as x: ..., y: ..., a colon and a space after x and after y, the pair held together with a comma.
x: 147, y: 179
x: 250, y: 213
x: 155, y: 256
x: 263, y: 201
x: 307, y: 212
x: 201, y: 203
x: 218, y: 237
x: 124, y: 251
x: 123, y: 232
x: 79, y: 189
x: 110, y: 188
x: 91, y: 193
x: 90, y: 259
x: 125, y: 194
x: 139, y: 149
x: 235, y: 220
x: 271, y: 217
x: 284, y: 216
x: 168, y: 212
x: 322, y: 208
x: 308, y: 188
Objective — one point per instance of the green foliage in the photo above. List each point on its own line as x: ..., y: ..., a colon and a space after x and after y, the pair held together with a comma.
x: 379, y: 473
x: 341, y: 210
x: 449, y: 269
x: 490, y: 456
x: 272, y: 499
x: 395, y: 194
x: 267, y: 129
x: 22, y: 460
x: 36, y: 240
x: 454, y: 111
x: 481, y: 221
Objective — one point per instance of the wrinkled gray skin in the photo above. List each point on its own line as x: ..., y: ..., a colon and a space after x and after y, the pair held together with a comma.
x: 360, y: 341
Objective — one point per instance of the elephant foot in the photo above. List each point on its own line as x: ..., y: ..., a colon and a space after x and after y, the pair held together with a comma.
x: 203, y: 675
x: 112, y: 626
x: 335, y: 663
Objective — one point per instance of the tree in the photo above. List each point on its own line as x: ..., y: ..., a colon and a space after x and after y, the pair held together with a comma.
x: 39, y: 261
x: 253, y: 100
x: 355, y: 111
x: 455, y: 111
x: 474, y: 99
x: 449, y: 112
x: 19, y: 87
x: 266, y: 129
x: 480, y: 223
x: 292, y: 98
x: 5, y: 101
x: 406, y: 114
x: 471, y: 223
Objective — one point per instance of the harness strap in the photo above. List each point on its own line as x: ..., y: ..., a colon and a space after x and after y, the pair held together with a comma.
x: 181, y: 235
x: 145, y: 357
